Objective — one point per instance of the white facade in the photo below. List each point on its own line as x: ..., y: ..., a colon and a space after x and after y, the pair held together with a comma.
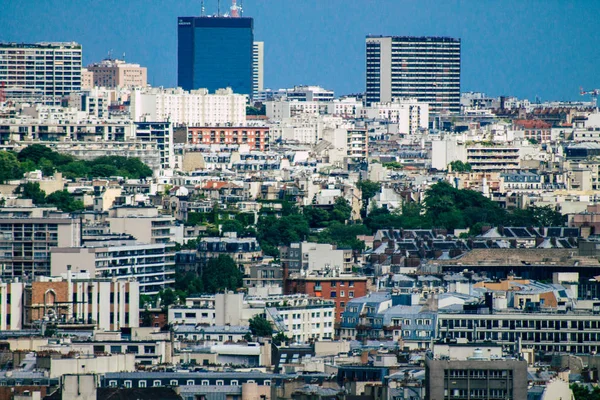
x: 306, y: 129
x: 258, y: 68
x: 410, y: 114
x: 153, y: 265
x: 299, y: 317
x: 46, y: 71
x: 11, y: 303
x: 194, y: 108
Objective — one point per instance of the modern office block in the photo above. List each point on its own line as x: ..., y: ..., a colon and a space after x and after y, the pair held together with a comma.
x: 43, y: 72
x: 425, y: 68
x: 215, y: 53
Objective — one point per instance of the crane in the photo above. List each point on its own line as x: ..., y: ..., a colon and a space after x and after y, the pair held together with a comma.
x: 594, y: 93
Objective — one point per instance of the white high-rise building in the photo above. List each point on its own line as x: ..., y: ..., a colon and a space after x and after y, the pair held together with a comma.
x: 42, y: 72
x: 258, y: 68
x: 425, y: 68
x: 194, y: 108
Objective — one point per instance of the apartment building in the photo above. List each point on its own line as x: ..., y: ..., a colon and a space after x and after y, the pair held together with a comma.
x: 27, y: 235
x: 63, y: 129
x: 308, y: 258
x: 160, y: 133
x: 144, y: 223
x: 255, y: 136
x: 193, y: 108
x: 44, y: 71
x: 244, y: 251
x: 411, y: 115
x: 112, y: 73
x: 477, y: 377
x: 357, y: 147
x: 301, y: 318
x: 425, y: 68
x: 341, y: 289
x: 76, y: 299
x: 575, y: 332
x: 152, y: 265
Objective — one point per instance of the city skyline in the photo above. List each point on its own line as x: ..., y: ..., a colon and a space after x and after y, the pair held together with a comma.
x: 510, y: 48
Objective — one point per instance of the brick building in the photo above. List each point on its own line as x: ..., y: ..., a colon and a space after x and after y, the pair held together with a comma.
x: 256, y: 137
x: 340, y: 289
x: 77, y: 301
x: 534, y: 129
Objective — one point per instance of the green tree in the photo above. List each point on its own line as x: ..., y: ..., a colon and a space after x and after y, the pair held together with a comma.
x: 35, y: 153
x: 368, y: 190
x: 459, y: 166
x: 147, y: 320
x: 76, y: 169
x: 31, y: 190
x: 221, y: 274
x: 316, y: 217
x: 344, y: 236
x: 280, y: 338
x: 64, y: 201
x: 10, y: 167
x: 342, y: 211
x: 167, y: 297
x: 232, y: 225
x: 260, y: 327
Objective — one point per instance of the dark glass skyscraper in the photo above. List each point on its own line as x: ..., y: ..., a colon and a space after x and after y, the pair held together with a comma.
x: 215, y: 53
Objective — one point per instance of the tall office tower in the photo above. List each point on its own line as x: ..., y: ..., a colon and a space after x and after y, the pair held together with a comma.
x: 43, y: 72
x: 425, y: 68
x: 258, y: 70
x: 215, y: 53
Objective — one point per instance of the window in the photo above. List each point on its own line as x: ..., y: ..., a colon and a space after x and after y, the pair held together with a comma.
x: 234, y: 383
x: 351, y: 294
x: 174, y: 383
x: 112, y: 383
x: 351, y: 283
x: 267, y: 383
x: 333, y: 284
x: 190, y: 382
x: 190, y: 315
x: 342, y: 293
x: 205, y: 382
x: 177, y: 315
x: 128, y: 384
x: 156, y: 384
x: 333, y: 295
x: 220, y: 383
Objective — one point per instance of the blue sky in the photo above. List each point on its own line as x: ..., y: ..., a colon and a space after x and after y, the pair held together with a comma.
x: 527, y: 48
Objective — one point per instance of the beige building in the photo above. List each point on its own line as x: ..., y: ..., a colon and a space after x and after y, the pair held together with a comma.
x: 117, y: 73
x: 144, y: 223
x: 87, y: 79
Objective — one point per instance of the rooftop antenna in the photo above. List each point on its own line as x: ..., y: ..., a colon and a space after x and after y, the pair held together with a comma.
x: 202, y: 14
x: 235, y: 9
x: 123, y: 56
x: 218, y: 8
x: 241, y: 7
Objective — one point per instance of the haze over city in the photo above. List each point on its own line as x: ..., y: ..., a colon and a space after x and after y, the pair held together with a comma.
x: 520, y: 48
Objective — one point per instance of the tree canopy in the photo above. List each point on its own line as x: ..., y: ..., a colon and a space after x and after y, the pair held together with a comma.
x: 220, y: 274
x: 459, y: 166
x: 40, y: 157
x: 260, y: 327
